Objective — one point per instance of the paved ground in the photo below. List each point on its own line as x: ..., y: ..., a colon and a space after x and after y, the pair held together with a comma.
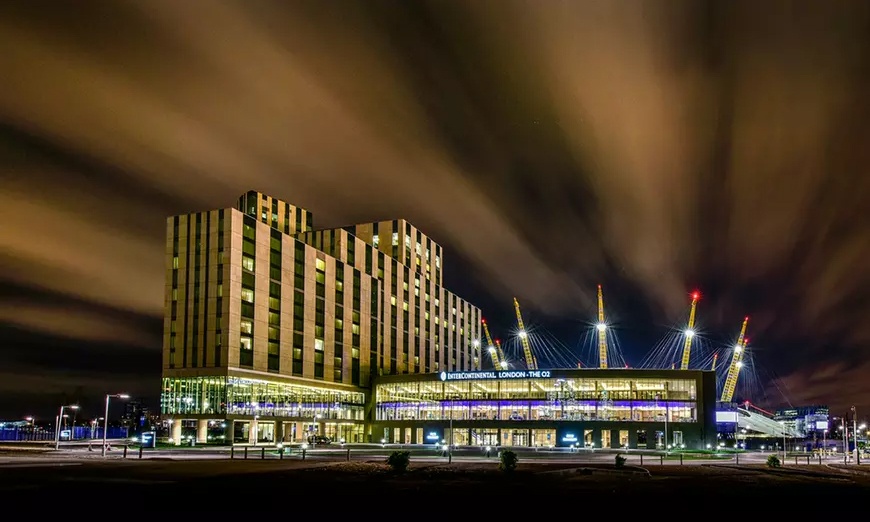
x: 208, y: 480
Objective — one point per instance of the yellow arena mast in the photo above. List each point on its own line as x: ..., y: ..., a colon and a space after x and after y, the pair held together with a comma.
x: 602, y: 332
x: 736, y: 364
x: 497, y: 361
x: 504, y: 363
x: 524, y: 339
x: 690, y: 332
x: 715, y: 358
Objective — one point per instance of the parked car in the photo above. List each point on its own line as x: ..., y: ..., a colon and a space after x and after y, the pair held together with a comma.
x: 319, y: 439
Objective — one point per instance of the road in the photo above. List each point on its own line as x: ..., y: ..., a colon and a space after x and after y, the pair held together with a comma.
x: 206, y: 478
x: 366, y: 452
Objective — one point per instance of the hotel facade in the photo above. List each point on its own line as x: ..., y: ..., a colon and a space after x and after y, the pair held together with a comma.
x: 580, y: 408
x: 274, y: 331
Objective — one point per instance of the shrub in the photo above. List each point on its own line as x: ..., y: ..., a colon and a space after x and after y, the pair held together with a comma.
x: 773, y: 461
x: 620, y: 461
x: 507, y: 461
x: 399, y: 460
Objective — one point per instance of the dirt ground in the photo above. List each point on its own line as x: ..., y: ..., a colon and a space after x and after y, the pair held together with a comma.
x: 808, y: 488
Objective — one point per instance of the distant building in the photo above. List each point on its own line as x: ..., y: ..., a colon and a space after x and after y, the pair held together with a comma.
x: 137, y: 417
x: 808, y: 421
x: 273, y: 330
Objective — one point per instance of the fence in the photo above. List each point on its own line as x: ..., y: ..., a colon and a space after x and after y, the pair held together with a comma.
x: 26, y: 433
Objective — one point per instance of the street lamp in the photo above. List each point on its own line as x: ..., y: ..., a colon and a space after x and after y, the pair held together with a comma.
x: 57, y: 424
x: 855, y: 437
x: 658, y: 396
x: 825, y: 443
x: 106, y: 419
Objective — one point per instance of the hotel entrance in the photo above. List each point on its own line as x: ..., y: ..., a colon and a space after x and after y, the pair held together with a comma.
x: 515, y: 438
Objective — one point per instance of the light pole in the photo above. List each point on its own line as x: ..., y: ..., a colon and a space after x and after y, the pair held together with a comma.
x: 855, y: 431
x: 658, y: 397
x: 106, y: 419
x: 57, y: 424
x: 825, y: 443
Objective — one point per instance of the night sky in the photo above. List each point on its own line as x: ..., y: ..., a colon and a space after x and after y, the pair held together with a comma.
x: 651, y: 147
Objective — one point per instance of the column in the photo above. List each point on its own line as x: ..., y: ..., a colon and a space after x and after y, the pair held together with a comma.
x: 230, y: 431
x: 252, y: 431
x: 279, y: 431
x: 201, y: 431
x: 176, y: 431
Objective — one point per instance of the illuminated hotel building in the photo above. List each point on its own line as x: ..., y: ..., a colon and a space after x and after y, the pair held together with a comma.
x: 583, y: 408
x: 274, y: 330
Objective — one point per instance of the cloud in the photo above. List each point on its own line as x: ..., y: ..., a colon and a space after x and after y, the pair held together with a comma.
x: 838, y: 385
x: 553, y: 147
x: 76, y: 322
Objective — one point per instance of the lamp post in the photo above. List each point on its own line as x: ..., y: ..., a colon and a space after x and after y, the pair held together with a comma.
x: 825, y: 443
x: 106, y: 419
x: 658, y: 397
x: 855, y: 431
x: 32, y: 421
x: 57, y: 424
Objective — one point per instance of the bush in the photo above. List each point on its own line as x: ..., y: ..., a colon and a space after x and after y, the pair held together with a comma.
x: 507, y: 461
x: 773, y: 461
x: 399, y: 460
x: 620, y: 461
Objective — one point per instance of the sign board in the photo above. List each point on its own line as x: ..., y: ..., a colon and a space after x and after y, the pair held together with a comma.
x: 495, y: 375
x: 148, y: 439
x: 726, y: 416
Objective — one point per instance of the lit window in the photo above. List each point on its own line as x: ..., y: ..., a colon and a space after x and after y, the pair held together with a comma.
x: 321, y: 264
x: 318, y: 345
x: 247, y: 327
x: 247, y: 295
x: 248, y: 263
x: 395, y: 239
x: 175, y: 262
x: 393, y: 300
x: 405, y: 306
x: 376, y: 240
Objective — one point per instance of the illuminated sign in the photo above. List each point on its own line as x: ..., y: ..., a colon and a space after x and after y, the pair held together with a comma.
x: 148, y: 439
x: 821, y: 425
x: 570, y: 438
x: 432, y: 436
x: 726, y: 416
x: 493, y: 375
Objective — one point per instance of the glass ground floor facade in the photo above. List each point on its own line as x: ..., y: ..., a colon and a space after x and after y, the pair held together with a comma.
x: 254, y: 409
x: 618, y: 408
x: 610, y: 408
x: 599, y: 435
